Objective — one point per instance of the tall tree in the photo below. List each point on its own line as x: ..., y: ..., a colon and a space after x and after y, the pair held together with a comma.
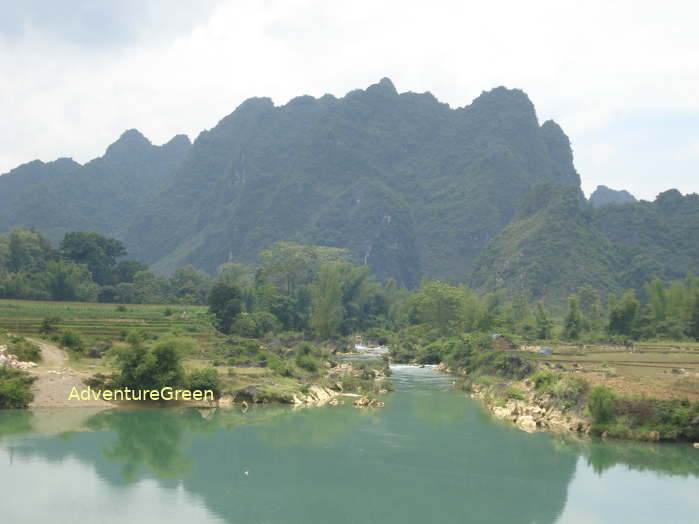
x: 99, y: 253
x: 326, y: 301
x: 572, y: 324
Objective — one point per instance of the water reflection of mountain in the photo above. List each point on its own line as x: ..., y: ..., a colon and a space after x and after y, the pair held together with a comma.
x: 346, y: 463
x: 428, y: 456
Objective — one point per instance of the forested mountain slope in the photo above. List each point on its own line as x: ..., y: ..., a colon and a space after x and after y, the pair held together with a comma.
x: 102, y: 195
x: 550, y: 249
x: 656, y: 239
x: 411, y: 186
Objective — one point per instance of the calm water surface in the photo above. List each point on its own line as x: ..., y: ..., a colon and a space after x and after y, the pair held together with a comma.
x: 430, y: 456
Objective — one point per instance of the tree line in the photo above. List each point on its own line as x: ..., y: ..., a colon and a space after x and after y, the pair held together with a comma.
x: 87, y: 266
x: 322, y: 291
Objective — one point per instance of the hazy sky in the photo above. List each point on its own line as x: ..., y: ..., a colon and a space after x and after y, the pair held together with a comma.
x: 622, y: 78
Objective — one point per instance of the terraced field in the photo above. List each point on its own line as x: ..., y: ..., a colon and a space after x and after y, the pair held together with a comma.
x: 108, y: 321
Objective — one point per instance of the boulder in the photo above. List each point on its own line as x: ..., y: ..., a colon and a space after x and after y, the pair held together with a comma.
x: 526, y: 423
x: 653, y: 436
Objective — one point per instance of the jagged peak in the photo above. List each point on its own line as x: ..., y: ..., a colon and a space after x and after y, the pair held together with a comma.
x: 130, y: 141
x: 178, y: 141
x: 383, y: 86
x: 604, y: 195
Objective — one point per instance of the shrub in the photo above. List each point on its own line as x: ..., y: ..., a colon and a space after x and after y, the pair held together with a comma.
x: 99, y: 348
x: 152, y: 367
x: 280, y: 367
x: 73, y: 341
x: 206, y: 379
x: 98, y: 381
x: 544, y: 381
x: 15, y: 388
x: 514, y: 393
x: 121, y: 308
x: 244, y: 325
x: 601, y: 405
x: 500, y: 363
x: 48, y: 325
x: 308, y: 362
x: 25, y: 350
x: 569, y: 388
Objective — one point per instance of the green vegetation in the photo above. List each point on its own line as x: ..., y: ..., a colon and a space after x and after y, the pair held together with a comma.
x: 153, y: 366
x: 15, y: 389
x: 643, y: 418
x: 86, y: 267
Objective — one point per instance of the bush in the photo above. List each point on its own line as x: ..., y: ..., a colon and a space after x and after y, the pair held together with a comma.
x: 121, y: 308
x: 99, y: 381
x: 99, y: 348
x: 25, y: 350
x: 72, y: 341
x: 499, y: 363
x: 153, y: 367
x: 601, y: 405
x: 206, y: 379
x: 244, y: 325
x: 514, y: 393
x: 569, y: 388
x: 15, y: 388
x: 48, y: 325
x: 308, y: 362
x: 280, y: 367
x: 544, y: 381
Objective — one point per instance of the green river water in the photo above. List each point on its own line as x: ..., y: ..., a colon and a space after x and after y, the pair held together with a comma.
x: 430, y: 456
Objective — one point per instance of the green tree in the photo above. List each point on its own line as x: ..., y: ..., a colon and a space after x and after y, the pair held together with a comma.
x: 694, y: 318
x: 99, y: 253
x: 573, y: 323
x: 225, y: 303
x: 152, y: 367
x: 623, y: 315
x: 439, y: 305
x: 543, y: 324
x: 326, y: 301
x: 67, y: 281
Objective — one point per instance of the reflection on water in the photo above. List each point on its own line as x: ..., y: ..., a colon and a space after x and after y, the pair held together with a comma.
x: 430, y: 455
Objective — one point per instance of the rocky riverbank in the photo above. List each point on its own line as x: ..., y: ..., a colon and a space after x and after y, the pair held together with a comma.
x: 532, y: 413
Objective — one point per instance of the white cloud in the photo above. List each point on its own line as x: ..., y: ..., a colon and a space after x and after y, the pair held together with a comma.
x: 583, y: 64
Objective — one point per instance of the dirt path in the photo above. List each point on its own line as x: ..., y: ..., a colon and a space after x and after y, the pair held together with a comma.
x: 50, y: 354
x: 56, y: 380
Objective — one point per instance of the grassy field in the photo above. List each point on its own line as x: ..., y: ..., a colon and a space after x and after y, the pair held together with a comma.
x: 655, y: 370
x: 104, y: 321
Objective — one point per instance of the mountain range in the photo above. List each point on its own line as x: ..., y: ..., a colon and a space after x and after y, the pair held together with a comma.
x: 482, y: 194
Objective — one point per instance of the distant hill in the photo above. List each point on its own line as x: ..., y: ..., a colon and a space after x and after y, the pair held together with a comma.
x: 102, y: 195
x: 413, y: 188
x: 550, y: 249
x: 603, y: 196
x: 659, y: 238
x: 557, y: 243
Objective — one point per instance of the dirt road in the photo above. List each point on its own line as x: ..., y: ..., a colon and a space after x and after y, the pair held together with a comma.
x: 50, y: 354
x: 56, y: 380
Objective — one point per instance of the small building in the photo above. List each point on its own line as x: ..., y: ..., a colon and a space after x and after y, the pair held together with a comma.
x: 545, y: 351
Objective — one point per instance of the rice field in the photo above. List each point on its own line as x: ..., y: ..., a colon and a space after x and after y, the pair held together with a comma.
x: 108, y: 321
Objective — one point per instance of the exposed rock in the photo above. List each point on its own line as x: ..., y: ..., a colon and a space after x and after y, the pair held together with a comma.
x: 366, y: 402
x: 11, y: 361
x: 526, y: 423
x: 225, y: 401
x: 653, y: 436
